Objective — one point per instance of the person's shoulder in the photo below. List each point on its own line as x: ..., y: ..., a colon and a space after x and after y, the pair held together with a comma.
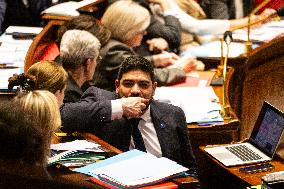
x: 92, y: 90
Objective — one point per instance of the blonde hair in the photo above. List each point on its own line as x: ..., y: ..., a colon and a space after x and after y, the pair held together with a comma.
x: 42, y: 118
x: 48, y: 75
x: 125, y: 19
x: 43, y: 105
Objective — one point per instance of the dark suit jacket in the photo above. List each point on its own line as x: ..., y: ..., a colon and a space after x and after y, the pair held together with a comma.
x: 171, y: 128
x: 224, y: 9
x: 72, y: 92
x: 113, y: 54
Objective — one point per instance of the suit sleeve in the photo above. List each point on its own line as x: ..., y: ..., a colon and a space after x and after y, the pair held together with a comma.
x: 170, y: 31
x: 187, y: 153
x: 169, y: 76
x: 87, y: 114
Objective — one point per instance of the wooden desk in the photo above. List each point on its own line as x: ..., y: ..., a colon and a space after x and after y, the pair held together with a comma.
x: 216, y: 175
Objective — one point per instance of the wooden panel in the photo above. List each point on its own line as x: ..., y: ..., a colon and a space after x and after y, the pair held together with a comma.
x: 263, y: 81
x: 41, y: 42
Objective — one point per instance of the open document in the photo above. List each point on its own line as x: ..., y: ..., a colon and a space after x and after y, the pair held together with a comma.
x: 76, y: 153
x: 200, y: 104
x: 133, y: 169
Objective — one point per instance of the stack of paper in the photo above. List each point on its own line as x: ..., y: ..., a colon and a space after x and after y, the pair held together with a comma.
x: 67, y: 8
x: 200, y: 104
x: 76, y: 153
x: 133, y: 169
x: 13, y: 52
x: 264, y: 33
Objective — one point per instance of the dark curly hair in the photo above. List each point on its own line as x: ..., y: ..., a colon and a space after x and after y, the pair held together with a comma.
x: 25, y: 82
x: 136, y: 62
x: 88, y: 23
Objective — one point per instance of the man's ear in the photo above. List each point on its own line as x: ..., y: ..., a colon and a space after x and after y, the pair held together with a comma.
x: 116, y: 85
x: 154, y: 87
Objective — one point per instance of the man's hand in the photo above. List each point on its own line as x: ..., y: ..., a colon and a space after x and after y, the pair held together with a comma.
x: 163, y: 3
x: 165, y: 59
x: 158, y: 44
x: 133, y: 107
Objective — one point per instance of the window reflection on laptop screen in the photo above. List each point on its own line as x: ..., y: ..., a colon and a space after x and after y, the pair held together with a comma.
x: 269, y: 126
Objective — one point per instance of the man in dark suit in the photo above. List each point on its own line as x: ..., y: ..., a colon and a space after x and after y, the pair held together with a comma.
x: 162, y: 127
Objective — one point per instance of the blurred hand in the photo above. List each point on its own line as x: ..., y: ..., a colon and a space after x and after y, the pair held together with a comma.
x: 264, y: 17
x: 164, y: 59
x: 133, y: 107
x: 163, y: 3
x: 158, y: 44
x: 189, y: 65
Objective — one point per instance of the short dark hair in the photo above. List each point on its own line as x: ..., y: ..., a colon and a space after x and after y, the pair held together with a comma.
x: 88, y: 23
x: 136, y: 63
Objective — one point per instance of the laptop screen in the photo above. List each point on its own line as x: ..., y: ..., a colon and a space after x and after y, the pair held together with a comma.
x: 268, y: 129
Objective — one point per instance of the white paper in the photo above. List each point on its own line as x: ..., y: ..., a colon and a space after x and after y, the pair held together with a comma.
x: 138, y: 170
x: 5, y: 74
x: 67, y: 8
x: 79, y: 145
x: 23, y: 29
x: 198, y: 103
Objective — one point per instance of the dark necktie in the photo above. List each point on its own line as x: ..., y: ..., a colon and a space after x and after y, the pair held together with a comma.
x: 136, y: 135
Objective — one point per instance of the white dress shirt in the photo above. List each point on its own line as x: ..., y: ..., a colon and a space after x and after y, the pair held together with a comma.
x: 149, y: 135
x: 197, y: 26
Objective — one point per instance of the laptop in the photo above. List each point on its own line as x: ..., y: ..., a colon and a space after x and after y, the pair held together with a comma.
x: 262, y: 144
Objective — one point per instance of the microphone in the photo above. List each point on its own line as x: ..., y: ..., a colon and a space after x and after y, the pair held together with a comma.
x: 228, y: 37
x: 225, y: 111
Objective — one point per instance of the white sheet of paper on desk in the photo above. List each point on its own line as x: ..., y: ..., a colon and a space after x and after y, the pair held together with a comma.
x: 198, y: 103
x: 141, y: 169
x: 13, y: 54
x: 79, y: 145
x: 213, y: 49
x: 10, y: 40
x: 264, y: 33
x: 5, y: 74
x: 67, y: 8
x: 23, y: 29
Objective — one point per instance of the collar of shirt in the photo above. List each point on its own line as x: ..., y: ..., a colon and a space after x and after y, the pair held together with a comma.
x: 146, y: 116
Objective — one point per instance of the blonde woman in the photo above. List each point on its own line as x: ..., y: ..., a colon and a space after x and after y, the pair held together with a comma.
x: 26, y: 126
x: 128, y: 22
x: 45, y: 75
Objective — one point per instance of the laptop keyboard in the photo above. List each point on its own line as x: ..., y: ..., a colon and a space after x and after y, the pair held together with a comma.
x: 243, y: 152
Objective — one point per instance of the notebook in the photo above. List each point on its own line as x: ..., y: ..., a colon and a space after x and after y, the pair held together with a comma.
x: 262, y: 144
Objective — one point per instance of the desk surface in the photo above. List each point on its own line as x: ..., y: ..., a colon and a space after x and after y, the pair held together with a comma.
x: 236, y: 178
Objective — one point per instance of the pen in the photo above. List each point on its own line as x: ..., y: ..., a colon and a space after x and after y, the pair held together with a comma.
x: 211, y: 123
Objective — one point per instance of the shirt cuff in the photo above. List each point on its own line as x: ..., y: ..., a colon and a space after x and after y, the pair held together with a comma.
x: 116, y: 109
x: 169, y: 13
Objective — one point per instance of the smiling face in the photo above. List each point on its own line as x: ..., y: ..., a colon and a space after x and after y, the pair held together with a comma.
x: 135, y: 83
